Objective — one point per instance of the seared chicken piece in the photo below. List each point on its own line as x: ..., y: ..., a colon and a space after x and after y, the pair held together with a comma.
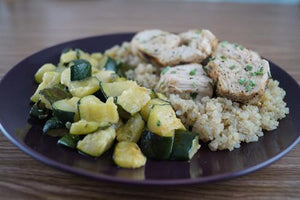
x: 189, y: 81
x: 167, y: 49
x: 240, y: 74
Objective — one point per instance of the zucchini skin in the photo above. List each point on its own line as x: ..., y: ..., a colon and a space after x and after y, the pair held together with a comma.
x: 183, y: 143
x: 81, y: 69
x: 52, y: 123
x: 64, y: 116
x: 69, y: 140
x: 156, y: 146
x: 39, y: 111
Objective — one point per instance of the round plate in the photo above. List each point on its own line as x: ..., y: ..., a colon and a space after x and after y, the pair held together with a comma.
x: 18, y: 85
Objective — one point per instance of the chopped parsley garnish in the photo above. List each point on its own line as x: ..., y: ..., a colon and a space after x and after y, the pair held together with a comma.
x: 173, y: 72
x: 164, y: 71
x: 252, y: 73
x: 260, y: 72
x: 223, y: 57
x: 248, y: 68
x: 158, y: 123
x: 232, y: 67
x: 212, y: 58
x: 236, y: 45
x: 248, y: 88
x: 242, y: 81
x: 195, y: 84
x: 241, y: 48
x: 251, y: 83
x: 193, y: 72
x: 194, y: 95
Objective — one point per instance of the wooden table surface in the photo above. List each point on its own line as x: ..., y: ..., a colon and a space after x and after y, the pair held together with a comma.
x: 28, y: 26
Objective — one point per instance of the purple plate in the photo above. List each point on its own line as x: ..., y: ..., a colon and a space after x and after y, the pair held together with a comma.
x: 17, y: 86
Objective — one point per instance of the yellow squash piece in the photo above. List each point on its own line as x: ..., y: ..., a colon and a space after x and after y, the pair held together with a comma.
x: 48, y: 67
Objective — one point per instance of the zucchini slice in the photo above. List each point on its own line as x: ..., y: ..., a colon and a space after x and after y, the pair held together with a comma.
x: 83, y: 127
x: 92, y: 109
x: 128, y: 155
x: 132, y: 130
x: 84, y: 87
x: 49, y: 80
x: 65, y: 77
x: 162, y: 120
x: 38, y: 110
x: 54, y: 124
x: 48, y: 67
x: 186, y: 144
x: 133, y: 99
x: 116, y: 88
x: 65, y: 109
x: 146, y: 109
x: 108, y: 64
x: 69, y: 140
x: 106, y: 76
x: 156, y: 146
x: 81, y: 69
x: 68, y: 56
x: 95, y: 144
x: 50, y: 95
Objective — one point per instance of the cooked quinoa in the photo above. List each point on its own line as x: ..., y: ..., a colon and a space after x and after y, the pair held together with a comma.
x: 220, y: 122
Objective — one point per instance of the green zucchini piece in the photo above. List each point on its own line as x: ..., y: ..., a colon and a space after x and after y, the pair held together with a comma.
x: 81, y: 69
x: 156, y: 146
x: 116, y: 88
x: 162, y: 120
x: 123, y: 113
x: 54, y: 123
x: 122, y: 68
x: 69, y: 140
x: 83, y: 127
x: 108, y: 64
x: 95, y: 144
x: 38, y: 110
x: 48, y: 67
x: 49, y: 80
x: 106, y: 76
x: 147, y: 108
x: 133, y: 99
x: 186, y: 144
x: 128, y: 155
x: 50, y: 95
x: 84, y: 87
x: 132, y: 130
x: 92, y: 109
x: 65, y: 109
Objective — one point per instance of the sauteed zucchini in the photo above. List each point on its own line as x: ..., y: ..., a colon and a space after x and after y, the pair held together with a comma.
x: 92, y: 107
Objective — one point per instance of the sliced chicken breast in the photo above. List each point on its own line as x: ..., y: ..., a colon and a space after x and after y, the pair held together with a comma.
x: 189, y: 81
x: 240, y: 74
x: 167, y: 49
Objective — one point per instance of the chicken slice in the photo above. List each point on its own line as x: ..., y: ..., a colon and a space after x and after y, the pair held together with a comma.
x: 167, y: 49
x: 240, y: 74
x: 189, y: 81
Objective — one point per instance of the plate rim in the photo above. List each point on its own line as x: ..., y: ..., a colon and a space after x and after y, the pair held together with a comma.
x: 151, y: 182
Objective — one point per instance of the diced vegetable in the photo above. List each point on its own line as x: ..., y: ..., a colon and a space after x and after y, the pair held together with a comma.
x: 106, y: 76
x: 66, y: 109
x: 50, y: 95
x: 116, y: 88
x: 49, y: 79
x: 38, y: 110
x: 128, y: 155
x: 48, y: 67
x: 68, y: 56
x: 92, y: 109
x: 54, y: 123
x: 84, y: 87
x: 186, y: 144
x: 156, y: 146
x: 81, y: 69
x: 95, y: 144
x: 133, y: 99
x: 162, y: 120
x: 69, y: 140
x: 83, y: 127
x: 132, y: 130
x: 65, y: 77
x: 108, y: 64
x: 146, y: 109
